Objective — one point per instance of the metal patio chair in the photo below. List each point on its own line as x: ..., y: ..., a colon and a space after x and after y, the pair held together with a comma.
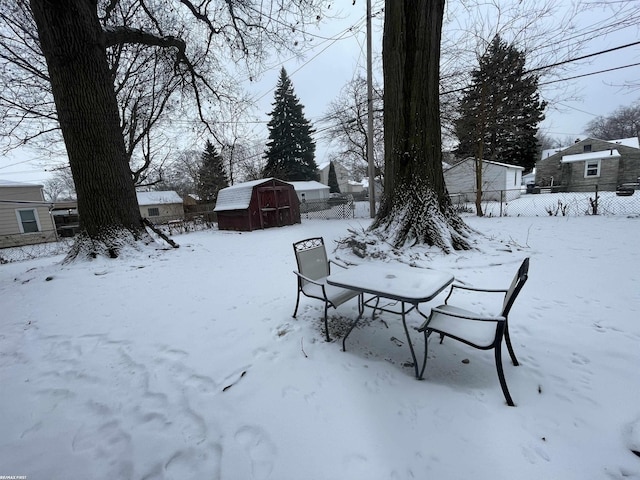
x: 477, y: 330
x: 313, y: 269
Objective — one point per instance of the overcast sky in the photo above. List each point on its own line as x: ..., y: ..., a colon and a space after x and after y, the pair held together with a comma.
x: 339, y: 53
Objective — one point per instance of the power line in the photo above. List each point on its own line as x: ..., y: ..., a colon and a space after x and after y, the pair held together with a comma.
x: 571, y: 60
x: 589, y: 74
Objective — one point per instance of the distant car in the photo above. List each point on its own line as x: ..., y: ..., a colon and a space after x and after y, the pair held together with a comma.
x: 627, y: 189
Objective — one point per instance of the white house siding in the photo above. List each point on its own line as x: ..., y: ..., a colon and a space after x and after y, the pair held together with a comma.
x: 21, y: 196
x: 311, y: 191
x: 342, y: 175
x: 167, y: 204
x: 499, y: 181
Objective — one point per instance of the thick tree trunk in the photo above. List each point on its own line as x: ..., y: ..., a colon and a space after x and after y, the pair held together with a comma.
x: 416, y: 207
x: 73, y: 44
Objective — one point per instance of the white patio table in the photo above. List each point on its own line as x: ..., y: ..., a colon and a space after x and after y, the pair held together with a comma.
x: 402, y: 283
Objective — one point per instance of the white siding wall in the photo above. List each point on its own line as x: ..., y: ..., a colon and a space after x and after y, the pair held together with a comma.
x: 9, y: 223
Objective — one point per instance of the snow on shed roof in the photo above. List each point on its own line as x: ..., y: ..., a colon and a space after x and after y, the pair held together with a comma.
x: 238, y: 196
x: 158, y: 198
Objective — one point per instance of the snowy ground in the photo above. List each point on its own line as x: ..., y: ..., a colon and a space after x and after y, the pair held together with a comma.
x: 186, y: 364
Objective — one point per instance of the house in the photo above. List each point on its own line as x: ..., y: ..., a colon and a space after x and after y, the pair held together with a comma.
x: 589, y: 163
x: 258, y: 204
x: 342, y: 175
x: 311, y: 191
x: 161, y: 207
x: 24, y: 215
x: 500, y: 181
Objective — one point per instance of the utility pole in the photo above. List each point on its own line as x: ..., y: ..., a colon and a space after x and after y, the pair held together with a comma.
x: 372, y: 190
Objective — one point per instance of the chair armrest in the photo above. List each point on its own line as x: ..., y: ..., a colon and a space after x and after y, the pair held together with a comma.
x: 477, y: 289
x: 341, y: 265
x: 483, y: 318
x: 307, y: 279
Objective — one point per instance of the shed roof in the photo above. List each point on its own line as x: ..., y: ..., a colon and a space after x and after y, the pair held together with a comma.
x: 158, y: 198
x: 238, y: 196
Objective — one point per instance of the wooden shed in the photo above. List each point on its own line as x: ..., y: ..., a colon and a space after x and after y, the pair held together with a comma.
x: 264, y: 203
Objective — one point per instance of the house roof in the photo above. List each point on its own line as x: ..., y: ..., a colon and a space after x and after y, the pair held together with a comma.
x: 9, y: 183
x: 582, y: 157
x: 307, y: 186
x: 632, y: 142
x: 506, y: 165
x: 158, y: 198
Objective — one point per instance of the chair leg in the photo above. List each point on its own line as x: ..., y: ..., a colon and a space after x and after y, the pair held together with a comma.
x: 503, y: 382
x: 326, y: 323
x: 297, y: 303
x: 509, y: 346
x: 426, y: 352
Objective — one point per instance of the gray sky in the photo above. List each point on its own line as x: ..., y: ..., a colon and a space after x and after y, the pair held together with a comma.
x: 339, y: 53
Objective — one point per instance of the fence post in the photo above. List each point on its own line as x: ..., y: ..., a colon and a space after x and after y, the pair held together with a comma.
x: 501, y: 200
x: 595, y: 205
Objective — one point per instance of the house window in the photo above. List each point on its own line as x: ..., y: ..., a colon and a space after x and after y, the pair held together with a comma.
x: 28, y: 220
x: 153, y: 211
x: 592, y: 168
x: 586, y: 148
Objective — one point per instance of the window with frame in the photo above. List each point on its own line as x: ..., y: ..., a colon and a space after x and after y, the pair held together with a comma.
x: 586, y: 148
x: 153, y: 211
x: 28, y: 220
x: 592, y: 168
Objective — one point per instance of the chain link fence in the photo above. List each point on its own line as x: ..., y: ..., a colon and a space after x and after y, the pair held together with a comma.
x: 33, y: 245
x: 515, y: 203
x: 500, y: 203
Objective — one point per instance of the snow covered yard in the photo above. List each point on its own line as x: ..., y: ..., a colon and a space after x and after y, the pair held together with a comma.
x: 187, y: 364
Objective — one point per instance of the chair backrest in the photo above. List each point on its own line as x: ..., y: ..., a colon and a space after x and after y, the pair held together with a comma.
x: 311, y: 257
x: 516, y: 285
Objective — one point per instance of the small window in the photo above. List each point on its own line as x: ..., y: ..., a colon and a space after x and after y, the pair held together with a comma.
x: 586, y: 148
x: 28, y: 220
x: 592, y: 168
x: 153, y: 211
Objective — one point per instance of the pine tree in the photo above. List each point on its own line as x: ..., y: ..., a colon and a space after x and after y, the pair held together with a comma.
x: 333, y: 179
x: 212, y: 176
x: 500, y: 112
x: 291, y: 150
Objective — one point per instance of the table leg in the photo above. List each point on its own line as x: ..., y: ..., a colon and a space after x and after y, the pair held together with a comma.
x: 413, y: 353
x: 353, y: 325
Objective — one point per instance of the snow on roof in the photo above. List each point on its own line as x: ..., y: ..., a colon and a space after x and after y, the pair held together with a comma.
x: 238, y: 196
x: 632, y: 142
x: 306, y: 186
x: 506, y: 165
x: 9, y: 183
x: 158, y: 198
x: 581, y: 157
x: 627, y: 142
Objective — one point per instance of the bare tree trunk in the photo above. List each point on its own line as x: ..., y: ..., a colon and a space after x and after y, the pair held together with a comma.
x: 73, y: 43
x: 416, y: 207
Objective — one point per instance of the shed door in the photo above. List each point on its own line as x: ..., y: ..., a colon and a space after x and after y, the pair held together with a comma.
x: 274, y: 206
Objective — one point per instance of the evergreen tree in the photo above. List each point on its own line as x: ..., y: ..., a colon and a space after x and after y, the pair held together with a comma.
x: 500, y: 112
x: 212, y: 176
x: 333, y: 179
x: 290, y: 150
